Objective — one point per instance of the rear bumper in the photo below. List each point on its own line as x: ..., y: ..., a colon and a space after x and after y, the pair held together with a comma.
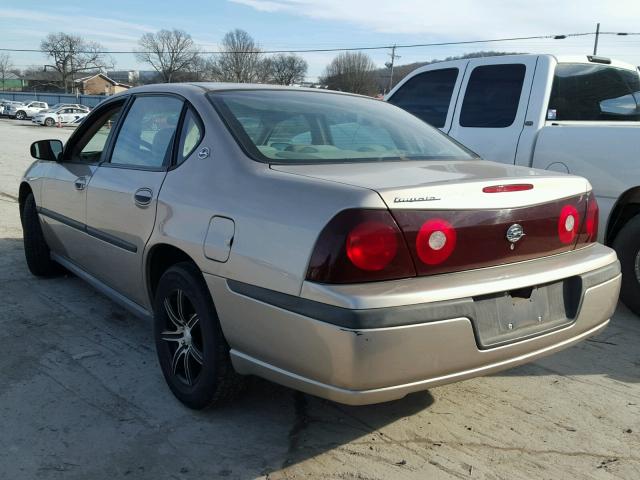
x: 370, y: 355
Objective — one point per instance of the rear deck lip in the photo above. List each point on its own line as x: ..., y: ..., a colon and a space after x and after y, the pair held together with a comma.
x: 470, y: 283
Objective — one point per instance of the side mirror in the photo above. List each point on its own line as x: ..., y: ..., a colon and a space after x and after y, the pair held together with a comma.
x: 50, y: 150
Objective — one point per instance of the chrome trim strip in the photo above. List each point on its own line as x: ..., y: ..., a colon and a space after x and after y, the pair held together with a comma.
x: 94, y: 232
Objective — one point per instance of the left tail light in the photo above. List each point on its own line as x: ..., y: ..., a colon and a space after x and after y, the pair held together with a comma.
x: 360, y: 246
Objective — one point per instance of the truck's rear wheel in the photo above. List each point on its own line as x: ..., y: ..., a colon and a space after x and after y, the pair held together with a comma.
x: 627, y: 246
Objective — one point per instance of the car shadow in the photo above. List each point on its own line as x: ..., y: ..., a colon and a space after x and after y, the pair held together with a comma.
x: 614, y: 353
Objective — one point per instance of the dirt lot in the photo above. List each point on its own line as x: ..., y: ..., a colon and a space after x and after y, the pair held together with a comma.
x: 81, y: 397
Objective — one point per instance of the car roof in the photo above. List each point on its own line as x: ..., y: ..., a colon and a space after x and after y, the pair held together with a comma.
x: 204, y: 87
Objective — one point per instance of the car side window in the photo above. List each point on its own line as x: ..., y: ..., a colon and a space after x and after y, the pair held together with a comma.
x: 146, y: 136
x: 190, y: 136
x: 427, y: 95
x: 93, y: 142
x: 493, y: 96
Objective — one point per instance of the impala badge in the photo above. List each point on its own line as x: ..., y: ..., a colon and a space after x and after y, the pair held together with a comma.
x: 514, y: 233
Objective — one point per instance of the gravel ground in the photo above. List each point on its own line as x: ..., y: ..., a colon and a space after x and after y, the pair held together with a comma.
x: 81, y: 397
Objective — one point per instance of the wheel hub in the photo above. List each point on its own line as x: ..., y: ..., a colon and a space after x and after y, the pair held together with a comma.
x: 184, y: 337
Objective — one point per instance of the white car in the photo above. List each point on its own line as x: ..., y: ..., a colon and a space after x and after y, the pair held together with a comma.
x: 62, y: 116
x: 58, y: 106
x: 22, y: 112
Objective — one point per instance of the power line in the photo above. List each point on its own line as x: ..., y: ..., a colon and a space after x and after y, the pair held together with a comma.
x: 347, y: 49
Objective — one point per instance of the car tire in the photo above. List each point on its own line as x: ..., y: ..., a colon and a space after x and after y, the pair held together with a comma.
x: 627, y: 246
x: 191, y: 348
x: 36, y: 250
x: 49, y: 122
x: 20, y: 115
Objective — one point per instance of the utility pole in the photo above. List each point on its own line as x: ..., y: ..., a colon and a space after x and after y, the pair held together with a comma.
x: 391, y: 64
x: 595, y: 46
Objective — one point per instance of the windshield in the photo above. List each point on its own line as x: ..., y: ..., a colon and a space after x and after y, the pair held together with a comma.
x: 284, y: 126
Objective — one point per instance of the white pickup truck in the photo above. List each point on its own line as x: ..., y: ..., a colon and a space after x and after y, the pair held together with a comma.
x: 578, y: 115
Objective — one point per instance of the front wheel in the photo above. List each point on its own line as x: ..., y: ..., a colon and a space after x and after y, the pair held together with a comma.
x: 191, y: 348
x: 21, y: 115
x: 627, y: 246
x: 36, y: 250
x: 49, y: 122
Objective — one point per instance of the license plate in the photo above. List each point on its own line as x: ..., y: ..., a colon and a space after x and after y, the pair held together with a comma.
x: 523, y: 313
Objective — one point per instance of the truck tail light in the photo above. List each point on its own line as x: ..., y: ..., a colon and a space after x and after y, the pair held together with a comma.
x: 360, y: 246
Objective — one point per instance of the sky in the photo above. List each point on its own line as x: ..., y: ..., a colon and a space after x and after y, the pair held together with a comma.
x: 304, y: 24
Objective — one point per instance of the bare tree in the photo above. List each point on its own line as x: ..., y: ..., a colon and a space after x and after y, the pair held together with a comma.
x: 287, y: 69
x: 71, y: 55
x: 351, y: 72
x: 168, y: 52
x: 5, y: 67
x: 240, y: 61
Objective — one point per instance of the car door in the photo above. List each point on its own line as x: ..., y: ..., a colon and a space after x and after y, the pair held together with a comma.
x: 63, y: 203
x: 493, y: 105
x: 122, y: 194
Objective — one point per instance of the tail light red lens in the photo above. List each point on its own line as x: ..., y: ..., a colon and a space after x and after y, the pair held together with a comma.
x: 372, y: 245
x: 436, y: 241
x: 360, y: 246
x: 568, y: 224
x: 589, y: 231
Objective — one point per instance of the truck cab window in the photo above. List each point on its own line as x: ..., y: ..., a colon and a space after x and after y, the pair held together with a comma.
x: 427, y: 95
x: 492, y: 96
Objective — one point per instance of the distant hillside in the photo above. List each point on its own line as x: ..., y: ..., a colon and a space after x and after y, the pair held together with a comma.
x: 400, y: 71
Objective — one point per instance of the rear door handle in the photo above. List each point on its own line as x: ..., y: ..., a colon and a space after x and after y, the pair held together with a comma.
x: 80, y: 183
x: 143, y: 197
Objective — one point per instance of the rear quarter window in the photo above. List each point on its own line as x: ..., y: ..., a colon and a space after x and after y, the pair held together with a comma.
x: 585, y: 92
x: 492, y: 96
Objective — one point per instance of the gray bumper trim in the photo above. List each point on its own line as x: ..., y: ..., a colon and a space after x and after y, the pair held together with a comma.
x: 393, y: 316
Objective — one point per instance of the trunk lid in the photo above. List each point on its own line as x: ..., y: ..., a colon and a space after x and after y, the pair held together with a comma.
x: 456, y: 216
x: 447, y: 185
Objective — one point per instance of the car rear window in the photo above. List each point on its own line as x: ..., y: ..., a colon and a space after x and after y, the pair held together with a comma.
x: 286, y: 126
x: 587, y: 92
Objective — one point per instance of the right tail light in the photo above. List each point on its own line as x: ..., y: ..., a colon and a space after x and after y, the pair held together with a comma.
x: 589, y: 231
